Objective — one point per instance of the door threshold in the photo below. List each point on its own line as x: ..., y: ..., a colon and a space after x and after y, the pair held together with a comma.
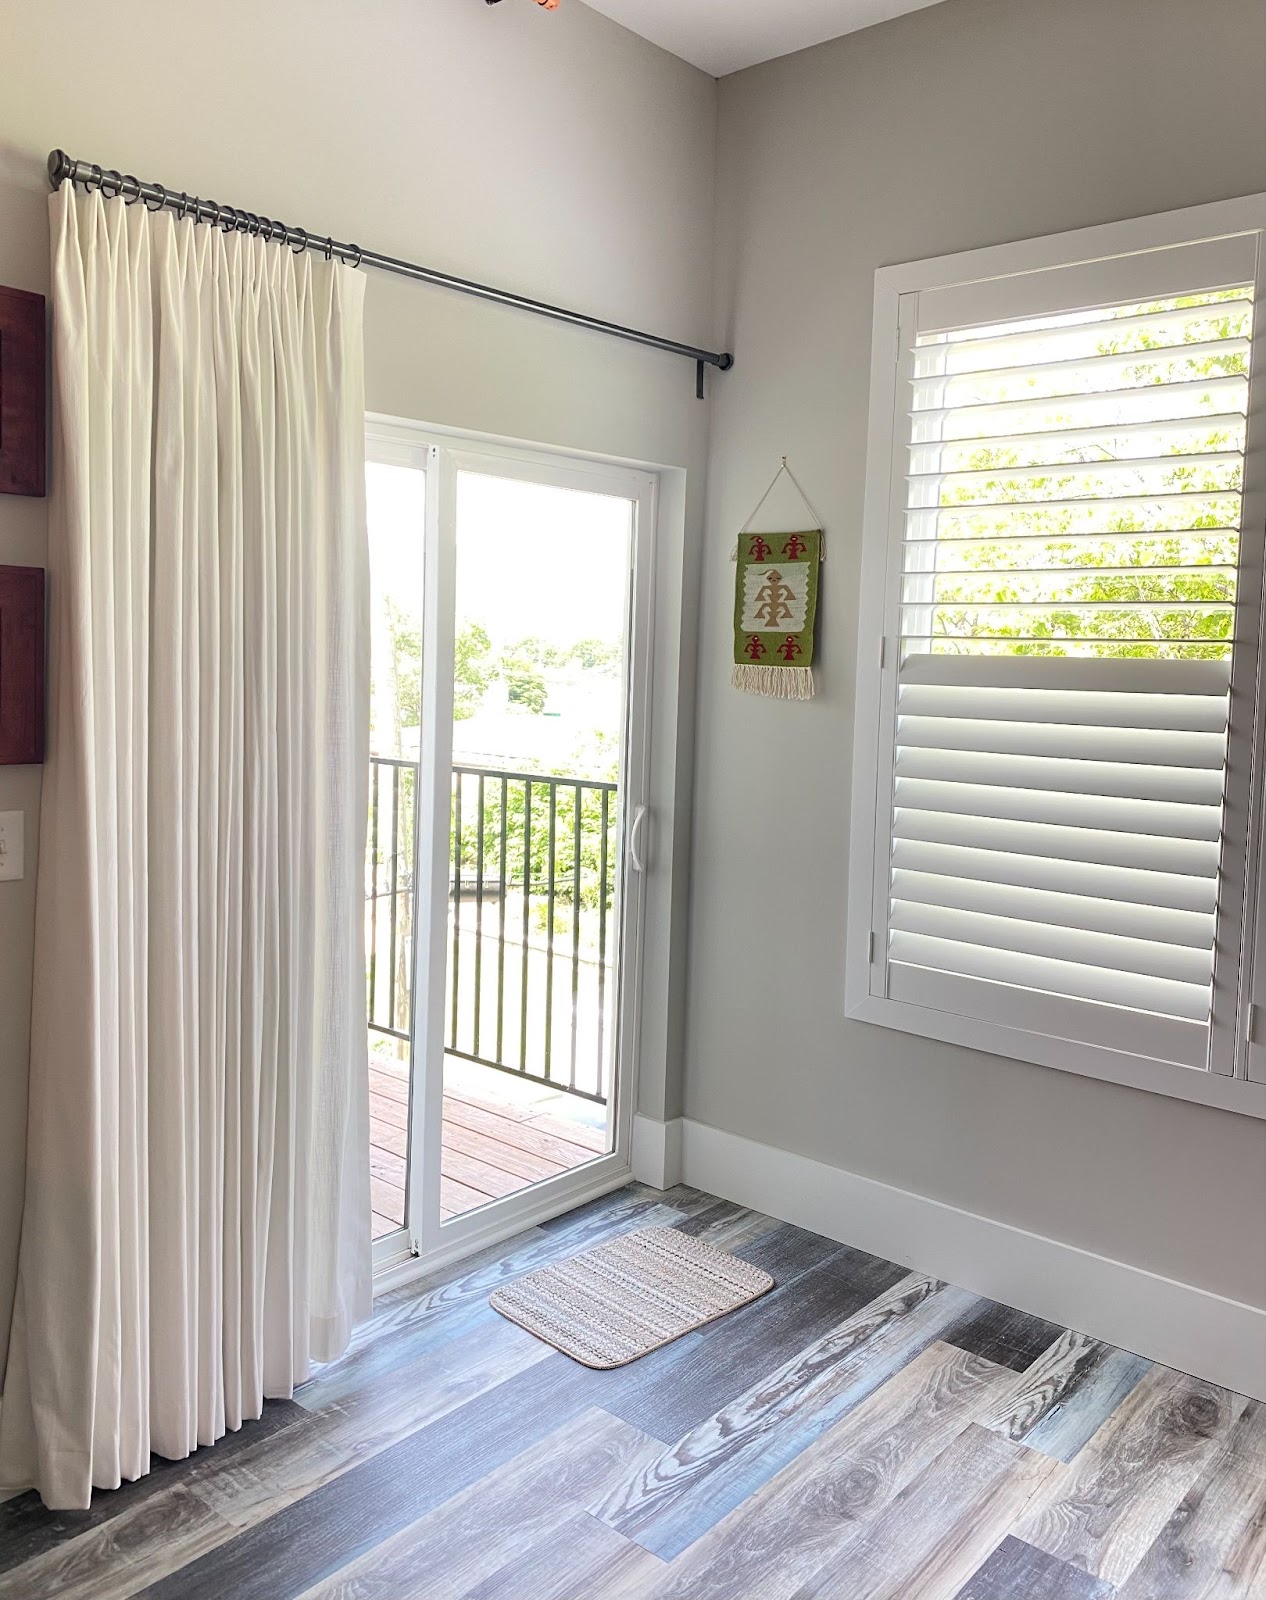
x: 407, y: 1267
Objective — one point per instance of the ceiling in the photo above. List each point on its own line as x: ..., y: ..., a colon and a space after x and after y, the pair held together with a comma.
x: 724, y: 35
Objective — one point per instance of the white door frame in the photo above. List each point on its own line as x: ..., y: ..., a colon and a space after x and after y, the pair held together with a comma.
x: 443, y: 453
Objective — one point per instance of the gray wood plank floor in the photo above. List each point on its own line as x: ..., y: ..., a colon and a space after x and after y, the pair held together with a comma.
x: 860, y: 1433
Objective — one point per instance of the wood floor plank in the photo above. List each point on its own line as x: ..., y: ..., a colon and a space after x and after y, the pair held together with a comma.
x: 519, y: 1110
x: 927, y: 1444
x: 566, y: 1152
x: 729, y: 1455
x: 777, y: 1540
x: 388, y: 1085
x: 386, y: 1198
x: 496, y: 1521
x: 388, y: 1136
x: 388, y: 1166
x: 121, y: 1557
x: 311, y: 1538
x: 938, y: 1529
x: 814, y: 1290
x: 28, y: 1530
x: 369, y: 1418
x: 1016, y: 1571
x: 1082, y: 1410
x: 729, y: 1227
x: 1048, y: 1382
x: 480, y: 1175
x: 1001, y: 1333
x: 391, y: 1111
x: 1124, y: 1486
x: 578, y: 1133
x: 217, y: 1497
x: 1214, y: 1545
x: 576, y: 1555
x: 496, y: 1160
x: 457, y: 1198
x: 500, y: 1152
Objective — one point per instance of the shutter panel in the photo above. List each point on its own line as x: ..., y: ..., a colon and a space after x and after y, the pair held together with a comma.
x: 1068, y: 574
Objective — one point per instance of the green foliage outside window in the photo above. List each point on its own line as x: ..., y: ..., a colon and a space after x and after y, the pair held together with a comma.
x: 1181, y: 558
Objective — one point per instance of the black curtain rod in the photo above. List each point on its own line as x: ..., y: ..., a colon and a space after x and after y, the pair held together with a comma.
x: 157, y: 197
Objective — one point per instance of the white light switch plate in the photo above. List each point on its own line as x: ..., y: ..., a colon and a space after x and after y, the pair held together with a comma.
x: 10, y: 844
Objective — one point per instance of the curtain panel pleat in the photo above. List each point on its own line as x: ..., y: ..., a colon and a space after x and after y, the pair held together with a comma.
x: 196, y: 1228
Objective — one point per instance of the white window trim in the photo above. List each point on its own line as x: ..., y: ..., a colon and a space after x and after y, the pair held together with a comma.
x: 1245, y: 1092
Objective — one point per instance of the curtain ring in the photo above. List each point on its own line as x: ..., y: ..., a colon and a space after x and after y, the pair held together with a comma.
x: 116, y: 179
x: 98, y: 175
x: 163, y: 200
x: 302, y: 234
x: 360, y: 256
x: 136, y: 184
x: 329, y: 247
x: 283, y: 235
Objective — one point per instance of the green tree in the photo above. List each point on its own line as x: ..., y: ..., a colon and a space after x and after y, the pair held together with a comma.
x: 473, y: 670
x: 594, y: 655
x: 520, y: 667
x: 1182, y: 556
x: 404, y: 673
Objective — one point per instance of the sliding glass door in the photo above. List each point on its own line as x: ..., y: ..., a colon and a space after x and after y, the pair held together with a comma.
x: 508, y: 828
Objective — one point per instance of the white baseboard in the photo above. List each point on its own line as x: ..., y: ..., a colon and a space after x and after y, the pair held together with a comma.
x: 656, y: 1154
x: 1173, y: 1323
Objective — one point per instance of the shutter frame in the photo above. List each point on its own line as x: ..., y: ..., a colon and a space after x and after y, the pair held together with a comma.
x: 899, y: 292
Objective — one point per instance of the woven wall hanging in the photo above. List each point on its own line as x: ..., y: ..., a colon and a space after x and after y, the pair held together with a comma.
x: 775, y: 605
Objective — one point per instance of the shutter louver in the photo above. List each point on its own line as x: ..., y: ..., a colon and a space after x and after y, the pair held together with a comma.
x: 1068, y: 584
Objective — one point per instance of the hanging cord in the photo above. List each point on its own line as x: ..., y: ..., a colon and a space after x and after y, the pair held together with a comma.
x: 755, y: 512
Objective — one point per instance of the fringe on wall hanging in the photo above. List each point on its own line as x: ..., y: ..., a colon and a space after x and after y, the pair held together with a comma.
x: 775, y: 605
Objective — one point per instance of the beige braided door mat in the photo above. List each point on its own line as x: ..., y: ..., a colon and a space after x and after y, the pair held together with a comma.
x: 627, y: 1297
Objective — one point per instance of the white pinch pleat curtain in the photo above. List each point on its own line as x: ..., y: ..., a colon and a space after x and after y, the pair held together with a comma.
x: 197, y: 1224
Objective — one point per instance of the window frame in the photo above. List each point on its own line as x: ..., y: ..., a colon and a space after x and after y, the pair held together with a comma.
x: 1099, y: 254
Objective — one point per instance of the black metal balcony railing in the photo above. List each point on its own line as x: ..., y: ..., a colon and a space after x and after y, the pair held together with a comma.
x: 531, y: 894
x: 389, y: 895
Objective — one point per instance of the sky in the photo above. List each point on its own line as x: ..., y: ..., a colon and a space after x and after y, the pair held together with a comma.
x: 533, y: 560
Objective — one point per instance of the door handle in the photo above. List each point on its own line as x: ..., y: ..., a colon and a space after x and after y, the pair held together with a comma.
x: 635, y: 834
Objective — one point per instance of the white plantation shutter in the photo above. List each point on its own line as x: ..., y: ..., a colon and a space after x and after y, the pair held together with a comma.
x: 1056, y: 828
x: 1053, y: 813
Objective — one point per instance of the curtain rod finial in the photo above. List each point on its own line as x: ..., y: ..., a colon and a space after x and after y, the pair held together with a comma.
x: 58, y: 167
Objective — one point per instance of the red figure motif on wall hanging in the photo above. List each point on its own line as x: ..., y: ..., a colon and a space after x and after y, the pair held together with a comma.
x: 759, y: 550
x: 789, y: 649
x: 794, y: 547
x: 754, y: 649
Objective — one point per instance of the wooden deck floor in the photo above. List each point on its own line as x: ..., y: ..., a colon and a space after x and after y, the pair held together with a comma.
x: 499, y: 1137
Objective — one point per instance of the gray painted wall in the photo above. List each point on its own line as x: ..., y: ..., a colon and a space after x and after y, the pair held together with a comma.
x: 562, y: 156
x: 554, y: 153
x: 968, y: 124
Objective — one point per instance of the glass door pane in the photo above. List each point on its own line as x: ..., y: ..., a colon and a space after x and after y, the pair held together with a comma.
x: 540, y: 695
